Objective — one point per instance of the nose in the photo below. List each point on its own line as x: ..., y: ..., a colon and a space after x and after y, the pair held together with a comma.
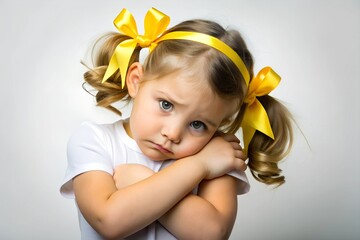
x: 172, y: 131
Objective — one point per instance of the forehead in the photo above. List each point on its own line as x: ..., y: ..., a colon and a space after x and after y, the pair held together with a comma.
x: 187, y: 72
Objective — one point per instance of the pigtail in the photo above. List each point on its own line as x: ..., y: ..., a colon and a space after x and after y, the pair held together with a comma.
x: 111, y: 90
x: 265, y: 153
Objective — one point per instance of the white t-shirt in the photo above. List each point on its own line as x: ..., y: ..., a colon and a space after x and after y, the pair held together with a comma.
x: 103, y: 147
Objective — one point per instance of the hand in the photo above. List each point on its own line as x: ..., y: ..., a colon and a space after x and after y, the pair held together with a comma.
x: 222, y: 155
x: 128, y: 174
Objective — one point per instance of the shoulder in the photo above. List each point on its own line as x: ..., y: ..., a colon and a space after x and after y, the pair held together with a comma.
x: 92, y: 142
x: 90, y: 132
x: 90, y: 128
x: 89, y: 148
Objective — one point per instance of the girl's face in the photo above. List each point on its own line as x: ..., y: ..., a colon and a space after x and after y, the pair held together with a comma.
x: 174, y: 116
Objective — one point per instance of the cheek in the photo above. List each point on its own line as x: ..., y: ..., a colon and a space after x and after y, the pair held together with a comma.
x: 142, y: 118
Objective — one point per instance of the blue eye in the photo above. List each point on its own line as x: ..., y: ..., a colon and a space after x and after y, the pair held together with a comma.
x: 198, y: 126
x: 165, y: 105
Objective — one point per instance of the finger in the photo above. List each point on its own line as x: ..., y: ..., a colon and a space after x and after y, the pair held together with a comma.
x: 240, y: 155
x: 236, y: 146
x: 240, y: 164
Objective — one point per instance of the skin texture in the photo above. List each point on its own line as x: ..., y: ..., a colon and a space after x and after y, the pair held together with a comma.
x: 173, y: 117
x: 192, y: 115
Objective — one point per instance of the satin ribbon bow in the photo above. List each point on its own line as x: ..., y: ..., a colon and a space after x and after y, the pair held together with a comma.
x: 156, y: 23
x: 255, y: 117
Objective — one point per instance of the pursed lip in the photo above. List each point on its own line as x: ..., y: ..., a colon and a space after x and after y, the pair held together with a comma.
x: 162, y: 149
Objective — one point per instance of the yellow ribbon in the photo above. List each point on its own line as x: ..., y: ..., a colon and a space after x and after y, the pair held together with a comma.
x: 156, y: 23
x: 212, y: 42
x: 255, y: 117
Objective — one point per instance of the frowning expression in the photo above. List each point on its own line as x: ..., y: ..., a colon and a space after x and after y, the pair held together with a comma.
x: 174, y: 116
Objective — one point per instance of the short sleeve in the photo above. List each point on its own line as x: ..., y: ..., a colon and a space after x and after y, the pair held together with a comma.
x: 243, y: 183
x: 88, y: 149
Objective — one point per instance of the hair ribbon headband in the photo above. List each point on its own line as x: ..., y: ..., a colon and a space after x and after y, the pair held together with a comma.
x: 212, y: 42
x: 156, y: 22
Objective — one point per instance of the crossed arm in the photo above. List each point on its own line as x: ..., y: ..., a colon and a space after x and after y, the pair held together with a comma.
x: 121, y: 212
x: 208, y: 215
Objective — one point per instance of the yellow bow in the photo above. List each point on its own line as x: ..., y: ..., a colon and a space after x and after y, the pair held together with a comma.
x: 156, y: 23
x: 255, y: 117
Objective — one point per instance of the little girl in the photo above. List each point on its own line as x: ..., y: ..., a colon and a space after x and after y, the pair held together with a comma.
x: 174, y: 168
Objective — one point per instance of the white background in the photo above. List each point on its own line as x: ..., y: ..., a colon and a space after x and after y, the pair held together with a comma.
x: 313, y: 45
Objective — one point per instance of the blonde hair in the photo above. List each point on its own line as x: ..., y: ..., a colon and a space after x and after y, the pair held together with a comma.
x: 224, y: 79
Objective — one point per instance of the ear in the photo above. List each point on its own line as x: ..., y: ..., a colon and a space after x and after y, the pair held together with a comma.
x: 133, y: 78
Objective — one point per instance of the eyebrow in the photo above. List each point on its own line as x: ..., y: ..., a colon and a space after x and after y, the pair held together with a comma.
x: 211, y: 123
x: 172, y: 100
x: 177, y: 102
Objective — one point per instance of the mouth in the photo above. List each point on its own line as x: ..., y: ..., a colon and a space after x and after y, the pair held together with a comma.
x: 162, y: 149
